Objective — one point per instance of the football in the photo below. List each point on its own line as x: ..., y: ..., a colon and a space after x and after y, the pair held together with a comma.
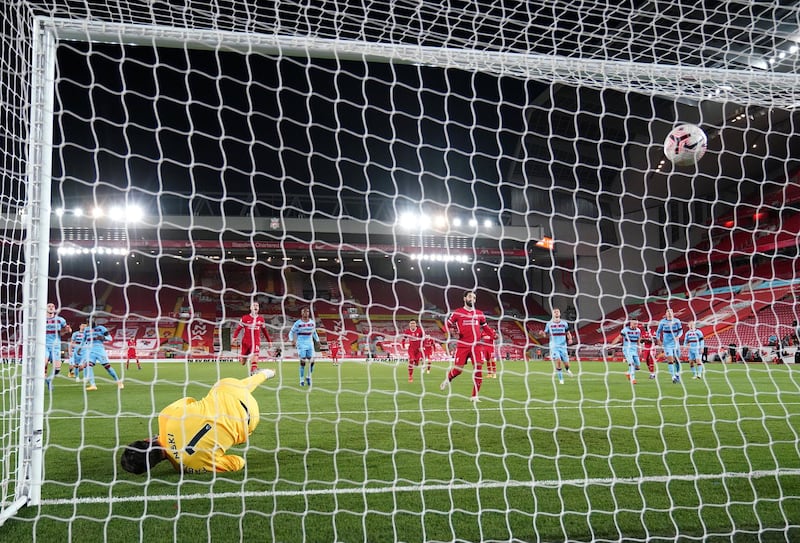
x: 685, y: 144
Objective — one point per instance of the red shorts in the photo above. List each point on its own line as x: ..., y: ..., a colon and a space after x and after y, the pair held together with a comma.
x: 249, y: 349
x: 428, y: 352
x: 467, y: 353
x: 131, y: 353
x: 414, y: 356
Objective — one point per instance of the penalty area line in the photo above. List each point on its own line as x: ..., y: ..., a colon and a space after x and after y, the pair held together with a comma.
x: 449, y: 487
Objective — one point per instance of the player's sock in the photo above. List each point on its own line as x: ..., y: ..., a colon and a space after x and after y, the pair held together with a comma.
x: 672, y: 370
x: 632, y: 371
x: 560, y: 374
x: 477, y: 381
x: 302, y: 373
x: 111, y: 372
x: 677, y: 368
x: 90, y: 375
x: 410, y: 373
x: 310, y: 369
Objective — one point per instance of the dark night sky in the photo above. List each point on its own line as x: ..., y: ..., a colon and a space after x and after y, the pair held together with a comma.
x: 208, y: 122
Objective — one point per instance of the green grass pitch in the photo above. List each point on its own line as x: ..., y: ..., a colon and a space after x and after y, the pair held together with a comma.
x: 366, y: 456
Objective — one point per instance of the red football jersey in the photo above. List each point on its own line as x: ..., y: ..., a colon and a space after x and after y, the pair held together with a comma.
x: 647, y: 339
x: 469, y: 323
x: 412, y: 338
x: 253, y: 328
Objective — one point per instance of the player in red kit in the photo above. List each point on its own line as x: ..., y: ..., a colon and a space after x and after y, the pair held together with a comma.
x: 470, y: 323
x: 412, y: 340
x: 253, y: 325
x: 428, y: 346
x: 132, y: 354
x: 487, y: 351
x: 335, y: 350
x: 647, y: 341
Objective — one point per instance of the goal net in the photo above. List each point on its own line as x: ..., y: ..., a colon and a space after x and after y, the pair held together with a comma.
x: 165, y: 167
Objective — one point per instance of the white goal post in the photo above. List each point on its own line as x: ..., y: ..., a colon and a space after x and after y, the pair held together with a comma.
x: 617, y: 260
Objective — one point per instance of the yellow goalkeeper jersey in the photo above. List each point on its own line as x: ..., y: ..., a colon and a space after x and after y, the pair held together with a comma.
x: 197, y: 433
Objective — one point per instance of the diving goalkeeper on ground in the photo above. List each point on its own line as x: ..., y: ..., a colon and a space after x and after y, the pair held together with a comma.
x: 194, y: 434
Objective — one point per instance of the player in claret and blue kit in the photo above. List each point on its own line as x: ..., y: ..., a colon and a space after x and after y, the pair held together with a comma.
x: 96, y: 353
x: 668, y: 335
x: 303, y: 335
x: 77, y: 351
x: 630, y: 335
x: 560, y: 337
x: 55, y: 326
x: 694, y: 339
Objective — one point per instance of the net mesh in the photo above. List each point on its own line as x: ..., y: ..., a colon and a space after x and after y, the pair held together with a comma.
x: 374, y: 163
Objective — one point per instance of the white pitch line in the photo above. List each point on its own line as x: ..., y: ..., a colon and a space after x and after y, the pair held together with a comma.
x: 618, y: 404
x: 450, y: 487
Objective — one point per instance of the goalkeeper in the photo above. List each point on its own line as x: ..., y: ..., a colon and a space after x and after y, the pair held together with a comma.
x: 194, y: 434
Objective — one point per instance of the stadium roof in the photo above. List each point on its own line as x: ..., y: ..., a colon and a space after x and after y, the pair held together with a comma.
x: 582, y: 152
